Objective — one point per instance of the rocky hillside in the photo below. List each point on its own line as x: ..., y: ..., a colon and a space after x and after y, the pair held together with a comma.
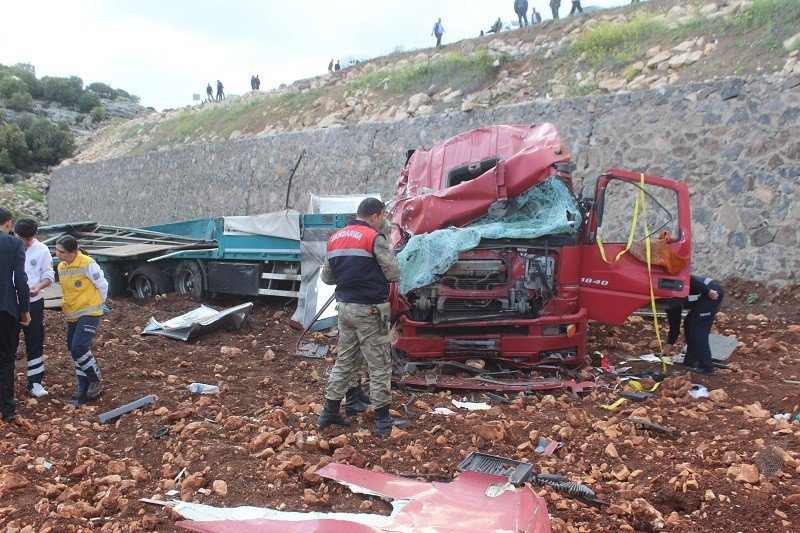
x: 647, y: 45
x: 43, y: 121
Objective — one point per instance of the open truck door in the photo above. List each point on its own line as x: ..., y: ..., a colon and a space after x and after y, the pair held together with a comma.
x: 614, y: 272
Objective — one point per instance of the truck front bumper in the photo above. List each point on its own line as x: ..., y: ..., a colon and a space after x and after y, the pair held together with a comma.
x: 524, y: 342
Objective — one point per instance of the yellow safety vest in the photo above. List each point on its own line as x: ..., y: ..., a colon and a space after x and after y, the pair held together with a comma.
x: 81, y: 297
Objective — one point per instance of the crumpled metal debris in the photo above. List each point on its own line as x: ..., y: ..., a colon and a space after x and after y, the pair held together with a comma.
x: 202, y: 320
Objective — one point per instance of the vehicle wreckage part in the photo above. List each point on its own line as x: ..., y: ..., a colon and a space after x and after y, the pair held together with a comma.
x: 430, y: 382
x: 519, y: 473
x: 650, y: 425
x: 127, y: 408
x: 576, y: 490
x: 543, y: 211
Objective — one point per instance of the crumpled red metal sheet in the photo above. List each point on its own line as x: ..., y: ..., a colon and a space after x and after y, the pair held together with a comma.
x: 425, y: 203
x: 460, y: 505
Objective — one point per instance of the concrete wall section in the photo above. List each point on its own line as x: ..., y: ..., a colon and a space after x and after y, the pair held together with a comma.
x: 735, y: 142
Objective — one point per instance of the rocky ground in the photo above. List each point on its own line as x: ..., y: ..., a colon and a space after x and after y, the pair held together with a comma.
x: 734, y: 467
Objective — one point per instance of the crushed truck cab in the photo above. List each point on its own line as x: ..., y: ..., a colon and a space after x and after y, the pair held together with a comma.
x: 502, y: 261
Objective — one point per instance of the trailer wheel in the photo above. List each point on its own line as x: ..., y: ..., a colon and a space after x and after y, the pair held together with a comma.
x: 189, y: 279
x: 115, y: 278
x: 148, y: 280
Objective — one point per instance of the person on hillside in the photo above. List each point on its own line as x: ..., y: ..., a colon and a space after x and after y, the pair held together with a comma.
x: 252, y: 83
x: 496, y: 27
x: 39, y: 270
x: 521, y: 9
x: 704, y: 300
x: 220, y: 90
x: 536, y: 18
x: 330, y: 66
x: 209, y: 93
x: 337, y: 67
x: 14, y: 312
x: 257, y: 83
x: 438, y: 31
x: 85, y: 290
x: 576, y: 7
x: 361, y: 266
x: 555, y: 5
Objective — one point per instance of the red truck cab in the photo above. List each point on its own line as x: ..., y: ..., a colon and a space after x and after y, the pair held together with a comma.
x: 528, y: 301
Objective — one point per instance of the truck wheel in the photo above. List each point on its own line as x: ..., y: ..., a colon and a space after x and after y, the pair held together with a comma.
x: 115, y: 279
x: 189, y: 279
x: 148, y: 280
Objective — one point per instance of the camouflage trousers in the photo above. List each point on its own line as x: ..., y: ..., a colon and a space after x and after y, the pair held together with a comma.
x: 363, y: 336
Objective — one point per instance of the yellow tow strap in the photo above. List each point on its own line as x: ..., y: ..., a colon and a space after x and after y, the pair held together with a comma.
x: 639, y: 203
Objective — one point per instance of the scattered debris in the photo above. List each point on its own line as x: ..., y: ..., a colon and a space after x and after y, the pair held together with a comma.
x: 547, y: 447
x: 202, y: 388
x: 472, y: 406
x: 127, y: 408
x: 416, y: 505
x: 202, y: 320
x: 650, y: 425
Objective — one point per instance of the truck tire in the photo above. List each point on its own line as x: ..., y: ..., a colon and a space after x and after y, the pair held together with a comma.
x: 148, y: 281
x: 115, y: 279
x: 190, y: 279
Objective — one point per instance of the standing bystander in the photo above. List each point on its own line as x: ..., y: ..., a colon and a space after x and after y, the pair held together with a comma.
x: 39, y: 269
x: 438, y: 31
x: 14, y: 311
x: 521, y: 9
x: 555, y: 5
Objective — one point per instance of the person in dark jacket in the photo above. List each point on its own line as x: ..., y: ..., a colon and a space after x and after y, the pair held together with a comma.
x: 220, y: 90
x: 257, y: 83
x: 14, y: 311
x: 361, y: 265
x: 536, y: 18
x: 496, y: 27
x: 521, y: 9
x: 576, y: 7
x: 703, y: 302
x: 209, y: 92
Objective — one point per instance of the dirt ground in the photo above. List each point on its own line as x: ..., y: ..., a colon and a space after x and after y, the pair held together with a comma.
x: 734, y: 468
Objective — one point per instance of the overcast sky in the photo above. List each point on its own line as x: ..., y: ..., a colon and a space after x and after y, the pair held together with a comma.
x: 164, y: 51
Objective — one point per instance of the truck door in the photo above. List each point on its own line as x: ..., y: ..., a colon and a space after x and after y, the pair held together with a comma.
x: 611, y: 288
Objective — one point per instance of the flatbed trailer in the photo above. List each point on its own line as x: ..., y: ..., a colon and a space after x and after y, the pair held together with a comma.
x: 198, y: 257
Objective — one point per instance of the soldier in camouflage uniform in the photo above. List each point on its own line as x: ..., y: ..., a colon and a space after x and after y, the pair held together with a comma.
x: 361, y: 265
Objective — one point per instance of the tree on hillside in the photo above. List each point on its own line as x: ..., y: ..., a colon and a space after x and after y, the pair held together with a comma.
x: 89, y: 100
x: 13, y: 149
x: 48, y: 142
x: 27, y: 73
x: 65, y: 90
x: 10, y: 84
x: 102, y: 89
x: 20, y: 102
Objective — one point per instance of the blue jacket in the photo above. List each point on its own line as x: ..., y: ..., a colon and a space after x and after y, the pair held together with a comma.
x: 14, y: 296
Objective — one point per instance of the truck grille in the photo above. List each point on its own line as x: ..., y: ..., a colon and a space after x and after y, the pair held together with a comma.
x: 478, y: 306
x: 475, y: 275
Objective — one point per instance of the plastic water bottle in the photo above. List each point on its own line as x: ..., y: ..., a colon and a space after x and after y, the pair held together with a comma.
x: 202, y: 388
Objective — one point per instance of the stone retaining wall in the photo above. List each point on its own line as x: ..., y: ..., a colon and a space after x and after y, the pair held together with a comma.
x: 736, y: 142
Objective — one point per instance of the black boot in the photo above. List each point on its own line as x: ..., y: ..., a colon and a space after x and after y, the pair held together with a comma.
x: 356, y: 401
x: 384, y: 422
x: 331, y: 415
